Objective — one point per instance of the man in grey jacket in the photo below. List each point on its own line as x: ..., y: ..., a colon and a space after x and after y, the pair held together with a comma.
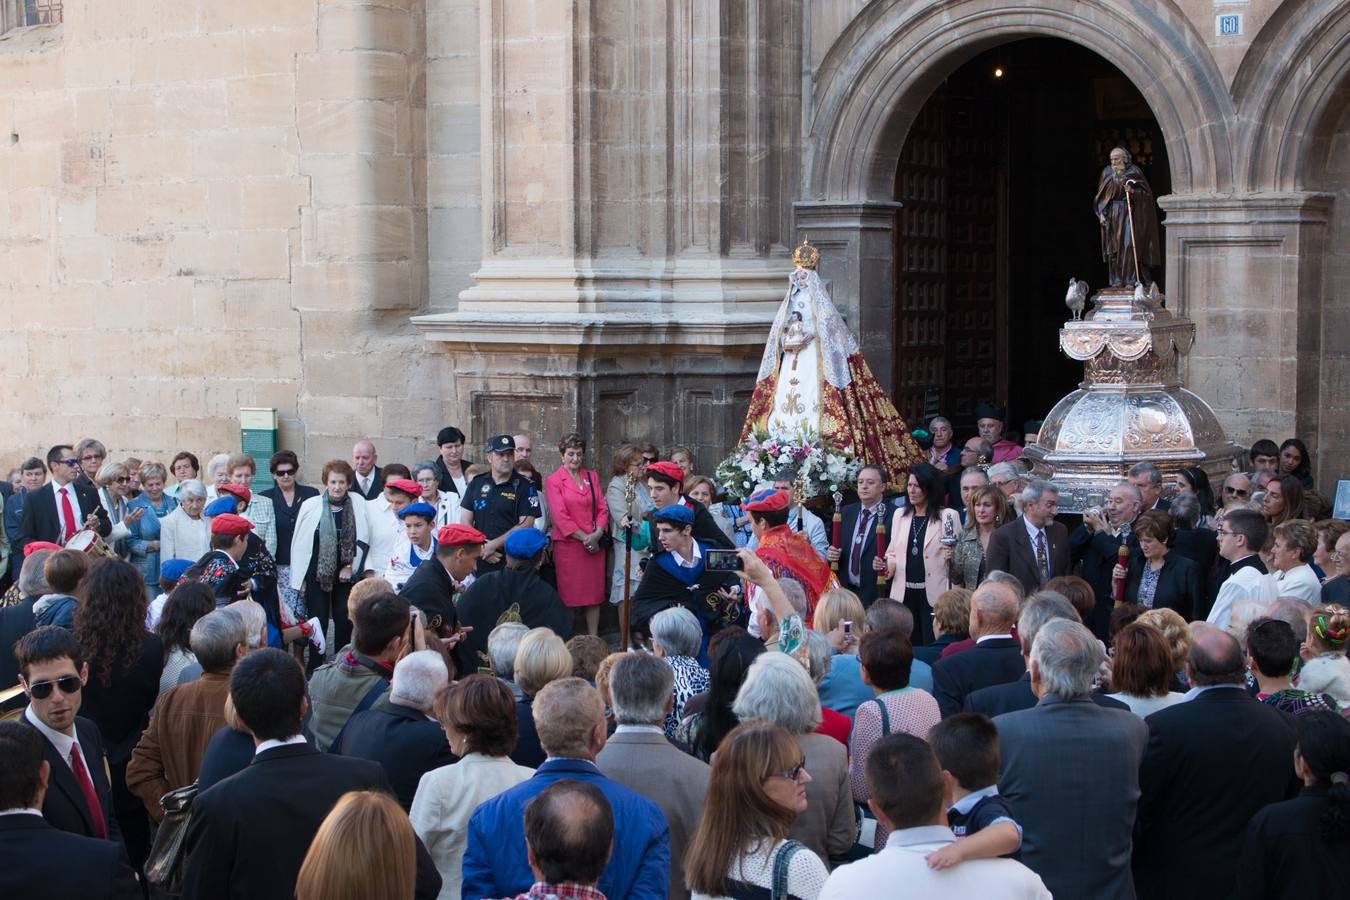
x: 637, y: 755
x: 1070, y: 771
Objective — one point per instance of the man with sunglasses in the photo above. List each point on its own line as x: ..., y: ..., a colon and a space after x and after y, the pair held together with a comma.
x: 1243, y: 576
x: 52, y: 672
x: 1237, y: 490
x: 62, y: 506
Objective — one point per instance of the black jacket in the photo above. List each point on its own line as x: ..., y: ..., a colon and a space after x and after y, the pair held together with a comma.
x: 1211, y: 764
x: 930, y: 653
x: 402, y: 740
x: 1285, y: 856
x: 42, y: 521
x: 250, y: 833
x: 15, y: 622
x: 1096, y: 554
x: 1010, y: 551
x: 996, y: 661
x: 37, y: 860
x: 431, y: 590
x: 483, y: 603
x: 64, y: 806
x: 1003, y: 698
x: 445, y: 482
x: 1179, y: 585
x: 866, y: 585
x: 121, y: 708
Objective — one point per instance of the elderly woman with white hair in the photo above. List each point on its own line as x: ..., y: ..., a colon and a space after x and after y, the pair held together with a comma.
x: 502, y: 644
x: 676, y: 636
x: 402, y: 735
x: 779, y: 690
x: 185, y: 533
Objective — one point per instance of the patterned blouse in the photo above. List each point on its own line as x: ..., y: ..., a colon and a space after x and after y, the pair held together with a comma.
x: 1148, y: 585
x: 909, y: 711
x: 690, y: 679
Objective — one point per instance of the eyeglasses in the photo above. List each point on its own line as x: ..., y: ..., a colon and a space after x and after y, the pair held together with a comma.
x: 1225, y: 532
x: 649, y: 459
x: 69, y: 462
x: 1236, y: 492
x: 285, y: 473
x: 90, y: 458
x: 123, y: 479
x: 793, y: 774
x: 69, y: 684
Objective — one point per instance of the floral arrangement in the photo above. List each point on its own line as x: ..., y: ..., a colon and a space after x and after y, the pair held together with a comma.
x: 822, y: 468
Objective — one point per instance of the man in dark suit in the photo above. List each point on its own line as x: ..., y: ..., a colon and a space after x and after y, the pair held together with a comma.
x: 641, y: 694
x: 1095, y: 547
x: 1147, y: 478
x: 1033, y: 548
x: 402, y: 736
x: 369, y: 477
x: 995, y: 659
x: 53, y: 672
x: 62, y: 506
x: 1037, y: 611
x: 18, y: 620
x: 249, y: 833
x: 1211, y: 764
x: 1076, y: 807
x: 37, y: 860
x: 858, y: 534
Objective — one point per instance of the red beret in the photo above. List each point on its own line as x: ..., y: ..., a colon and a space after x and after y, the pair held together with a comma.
x: 229, y: 523
x: 769, y: 501
x: 405, y: 486
x: 34, y: 547
x: 239, y: 490
x: 668, y: 469
x: 458, y: 535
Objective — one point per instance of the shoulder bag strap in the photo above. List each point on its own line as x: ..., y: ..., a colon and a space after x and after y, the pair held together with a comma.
x: 780, y: 869
x: 885, y: 717
x: 376, y: 689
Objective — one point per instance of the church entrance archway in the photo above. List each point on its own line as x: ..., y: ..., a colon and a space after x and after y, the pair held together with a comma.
x: 995, y: 179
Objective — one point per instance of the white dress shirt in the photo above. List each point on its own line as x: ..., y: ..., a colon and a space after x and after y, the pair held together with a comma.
x: 69, y: 491
x: 901, y: 862
x: 276, y: 742
x: 1244, y: 584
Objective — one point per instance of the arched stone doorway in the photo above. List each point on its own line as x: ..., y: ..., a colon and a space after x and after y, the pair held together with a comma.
x: 882, y: 70
x: 995, y: 181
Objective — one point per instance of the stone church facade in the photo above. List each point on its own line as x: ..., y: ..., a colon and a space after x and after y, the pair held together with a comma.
x: 385, y: 216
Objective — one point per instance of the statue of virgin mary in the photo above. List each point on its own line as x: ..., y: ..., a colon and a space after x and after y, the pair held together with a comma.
x: 813, y: 375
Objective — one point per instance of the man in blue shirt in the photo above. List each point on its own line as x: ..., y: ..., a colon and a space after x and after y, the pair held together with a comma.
x: 570, y: 718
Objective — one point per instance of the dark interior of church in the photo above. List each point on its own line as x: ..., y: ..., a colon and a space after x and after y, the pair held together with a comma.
x: 996, y: 179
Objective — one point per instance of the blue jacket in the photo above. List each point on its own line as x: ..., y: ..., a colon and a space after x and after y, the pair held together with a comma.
x: 494, y: 858
x: 143, y: 531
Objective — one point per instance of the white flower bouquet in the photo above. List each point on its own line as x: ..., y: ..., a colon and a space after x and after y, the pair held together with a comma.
x: 824, y: 469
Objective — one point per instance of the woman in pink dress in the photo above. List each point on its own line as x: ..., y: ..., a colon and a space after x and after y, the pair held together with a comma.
x: 580, y: 519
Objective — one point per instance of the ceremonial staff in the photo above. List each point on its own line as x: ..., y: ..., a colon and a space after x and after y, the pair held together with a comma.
x: 1134, y: 242
x: 626, y: 610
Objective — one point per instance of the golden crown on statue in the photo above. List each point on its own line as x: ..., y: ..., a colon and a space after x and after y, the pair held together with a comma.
x: 805, y: 256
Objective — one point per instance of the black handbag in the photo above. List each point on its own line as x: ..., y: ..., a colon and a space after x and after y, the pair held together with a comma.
x: 164, y: 867
x: 606, y: 539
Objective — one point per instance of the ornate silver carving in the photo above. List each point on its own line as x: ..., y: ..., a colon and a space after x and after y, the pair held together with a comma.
x: 1131, y: 406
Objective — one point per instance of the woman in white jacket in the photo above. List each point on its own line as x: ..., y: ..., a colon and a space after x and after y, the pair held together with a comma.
x: 328, y: 551
x: 185, y: 533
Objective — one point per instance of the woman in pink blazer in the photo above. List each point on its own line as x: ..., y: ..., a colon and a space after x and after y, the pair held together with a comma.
x: 916, y: 558
x: 576, y: 501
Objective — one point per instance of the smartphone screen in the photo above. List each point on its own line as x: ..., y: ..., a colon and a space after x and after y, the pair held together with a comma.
x: 724, y: 561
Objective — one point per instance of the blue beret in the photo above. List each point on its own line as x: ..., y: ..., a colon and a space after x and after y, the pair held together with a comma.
x: 226, y: 503
x: 525, y: 543
x: 426, y: 510
x: 676, y: 513
x: 173, y: 569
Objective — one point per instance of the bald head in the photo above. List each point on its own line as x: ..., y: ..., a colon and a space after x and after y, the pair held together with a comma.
x: 993, y: 609
x: 363, y: 457
x: 1215, y: 657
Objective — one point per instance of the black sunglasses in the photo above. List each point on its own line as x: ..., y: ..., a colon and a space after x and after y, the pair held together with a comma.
x: 283, y: 473
x: 41, y: 690
x: 1236, y: 492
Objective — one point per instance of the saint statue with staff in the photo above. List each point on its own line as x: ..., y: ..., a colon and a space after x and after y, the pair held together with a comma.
x: 1128, y: 215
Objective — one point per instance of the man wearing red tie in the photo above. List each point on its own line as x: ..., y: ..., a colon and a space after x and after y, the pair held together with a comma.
x: 858, y: 534
x: 62, y: 506
x: 52, y: 672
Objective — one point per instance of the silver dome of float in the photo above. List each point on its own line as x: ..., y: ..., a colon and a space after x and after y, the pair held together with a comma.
x: 1131, y: 406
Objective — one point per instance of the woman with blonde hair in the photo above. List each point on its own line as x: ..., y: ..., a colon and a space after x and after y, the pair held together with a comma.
x: 1178, y: 635
x: 756, y: 791
x: 156, y: 504
x: 989, y: 509
x: 541, y: 657
x: 951, y: 624
x: 364, y: 850
x: 842, y: 688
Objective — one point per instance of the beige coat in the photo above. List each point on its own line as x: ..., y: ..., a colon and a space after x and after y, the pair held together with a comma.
x: 936, y: 578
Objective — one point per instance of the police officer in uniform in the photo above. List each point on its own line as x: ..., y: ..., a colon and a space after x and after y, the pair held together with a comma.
x: 499, y: 501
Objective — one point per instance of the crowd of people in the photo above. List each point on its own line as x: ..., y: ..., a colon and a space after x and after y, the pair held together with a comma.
x: 403, y: 681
